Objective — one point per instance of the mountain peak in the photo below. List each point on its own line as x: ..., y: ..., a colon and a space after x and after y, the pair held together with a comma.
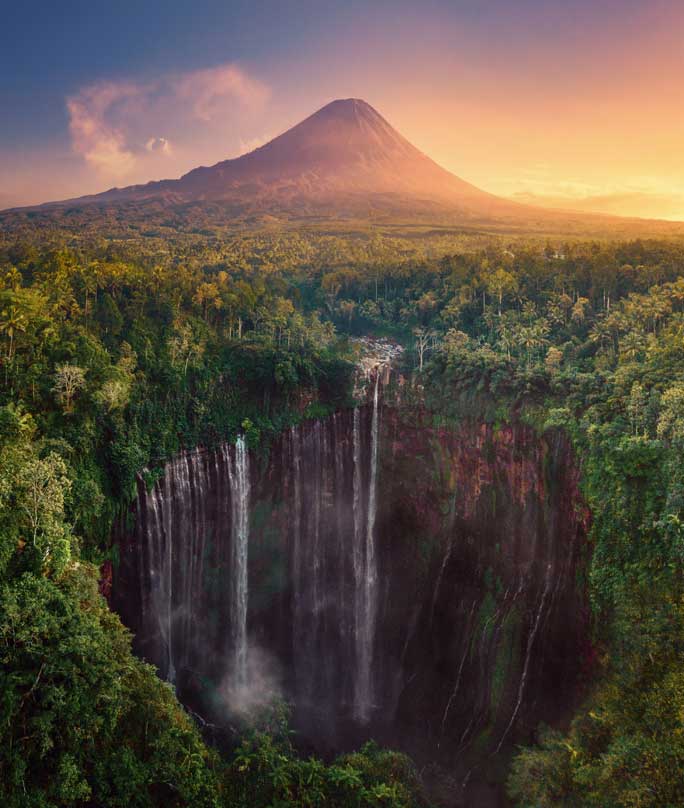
x: 351, y: 112
x: 346, y: 103
x: 346, y: 108
x: 337, y: 118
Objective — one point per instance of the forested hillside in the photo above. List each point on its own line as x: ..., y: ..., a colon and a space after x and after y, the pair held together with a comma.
x: 116, y: 354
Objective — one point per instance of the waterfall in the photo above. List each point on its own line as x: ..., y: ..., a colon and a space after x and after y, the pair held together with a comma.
x: 528, y: 653
x: 166, y: 574
x: 466, y: 649
x: 239, y: 490
x: 398, y: 573
x: 357, y: 562
x: 296, y: 530
x: 341, y: 529
x: 161, y: 573
x: 438, y: 584
x: 365, y: 565
x: 316, y: 508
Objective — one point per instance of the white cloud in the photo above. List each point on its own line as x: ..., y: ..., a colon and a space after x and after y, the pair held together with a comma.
x: 208, y: 90
x: 113, y: 123
x: 99, y: 140
x: 160, y: 145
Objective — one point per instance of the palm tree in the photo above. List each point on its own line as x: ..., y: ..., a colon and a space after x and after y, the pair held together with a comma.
x: 12, y: 322
x: 631, y: 345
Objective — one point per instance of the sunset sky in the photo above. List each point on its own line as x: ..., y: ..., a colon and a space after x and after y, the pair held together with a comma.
x: 575, y: 103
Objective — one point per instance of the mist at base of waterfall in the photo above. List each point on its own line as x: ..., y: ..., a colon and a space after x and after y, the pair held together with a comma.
x: 247, y: 700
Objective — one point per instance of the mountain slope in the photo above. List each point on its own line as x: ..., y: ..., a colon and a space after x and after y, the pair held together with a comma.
x: 343, y: 163
x: 344, y: 155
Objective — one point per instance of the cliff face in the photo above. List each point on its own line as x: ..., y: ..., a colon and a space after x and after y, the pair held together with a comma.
x: 413, y: 583
x: 485, y: 535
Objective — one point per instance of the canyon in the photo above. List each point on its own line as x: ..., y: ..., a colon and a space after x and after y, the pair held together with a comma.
x: 392, y: 573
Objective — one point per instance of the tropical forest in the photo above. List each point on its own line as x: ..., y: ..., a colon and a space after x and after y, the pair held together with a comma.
x: 328, y: 478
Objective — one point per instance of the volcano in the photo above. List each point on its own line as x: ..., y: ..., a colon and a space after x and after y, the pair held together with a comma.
x: 344, y: 162
x: 345, y: 158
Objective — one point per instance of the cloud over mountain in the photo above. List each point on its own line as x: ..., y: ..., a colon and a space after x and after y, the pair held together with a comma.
x: 115, y: 125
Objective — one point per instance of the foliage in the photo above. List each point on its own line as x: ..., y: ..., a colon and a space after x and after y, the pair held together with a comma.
x: 117, y: 351
x: 84, y: 722
x: 265, y: 772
